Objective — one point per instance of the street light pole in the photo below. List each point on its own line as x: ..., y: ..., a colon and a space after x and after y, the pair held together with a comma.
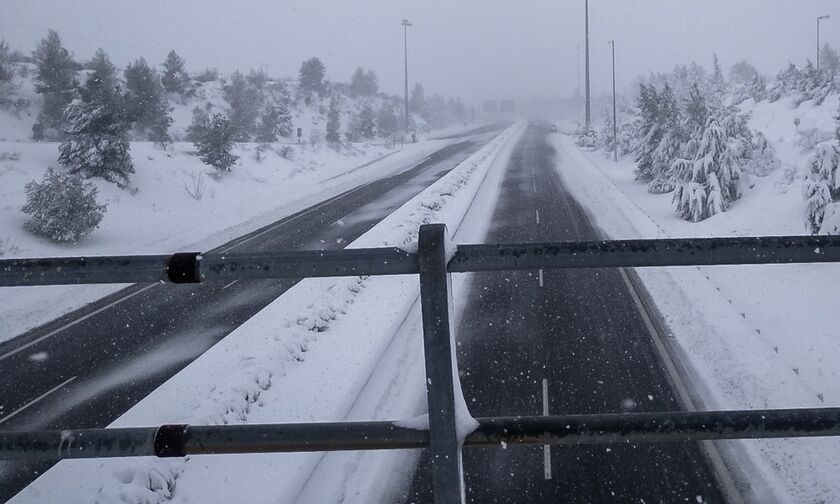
x: 615, y: 119
x: 405, y: 25
x: 588, y: 116
x: 818, y: 38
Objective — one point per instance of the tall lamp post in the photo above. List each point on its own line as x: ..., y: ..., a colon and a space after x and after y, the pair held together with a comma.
x: 818, y: 38
x: 588, y: 116
x: 405, y: 25
x: 615, y: 119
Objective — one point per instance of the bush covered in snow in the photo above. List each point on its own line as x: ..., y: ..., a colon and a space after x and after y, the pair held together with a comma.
x: 586, y: 138
x: 62, y: 207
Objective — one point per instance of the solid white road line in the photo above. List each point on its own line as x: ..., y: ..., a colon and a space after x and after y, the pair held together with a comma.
x: 542, y: 283
x: 33, y: 401
x: 230, y: 284
x: 724, y: 477
x: 71, y: 324
x: 546, y: 448
x: 538, y: 216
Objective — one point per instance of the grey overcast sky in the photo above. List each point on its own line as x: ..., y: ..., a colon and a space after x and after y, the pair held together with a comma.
x: 475, y: 49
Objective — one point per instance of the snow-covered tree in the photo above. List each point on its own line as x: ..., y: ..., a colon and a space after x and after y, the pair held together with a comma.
x: 55, y: 79
x: 96, y: 127
x: 717, y: 83
x: 6, y: 70
x: 671, y: 139
x: 746, y: 82
x: 367, y: 122
x: 274, y: 123
x: 244, y: 102
x: 199, y: 125
x: 386, y: 120
x: 829, y: 60
x: 214, y: 143
x: 62, y: 207
x: 822, y: 187
x: 146, y: 102
x: 742, y: 72
x: 417, y: 101
x: 311, y: 78
x: 364, y: 83
x: 258, y: 79
x: 175, y: 78
x: 586, y: 137
x: 709, y: 183
x: 650, y: 131
x: 334, y: 121
x: 763, y: 159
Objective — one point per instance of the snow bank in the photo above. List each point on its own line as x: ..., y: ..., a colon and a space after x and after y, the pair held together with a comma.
x: 305, y: 357
x: 751, y: 336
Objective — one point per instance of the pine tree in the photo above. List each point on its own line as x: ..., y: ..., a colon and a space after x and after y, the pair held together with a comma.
x: 311, y: 78
x: 650, y: 131
x: 257, y: 79
x: 837, y: 130
x: 364, y: 83
x: 269, y: 125
x: 715, y: 170
x: 823, y: 185
x: 244, y: 103
x: 146, y: 102
x: 367, y: 122
x: 417, y: 102
x: 200, y: 123
x: 175, y: 78
x: 829, y: 60
x: 56, y: 79
x: 285, y: 128
x: 334, y: 121
x: 696, y: 111
x: 96, y: 133
x: 717, y: 83
x: 386, y: 120
x: 62, y: 207
x: 215, y: 143
x: 671, y: 138
x: 6, y: 71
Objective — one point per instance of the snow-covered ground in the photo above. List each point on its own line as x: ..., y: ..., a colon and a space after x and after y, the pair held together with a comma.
x: 161, y: 216
x: 302, y: 358
x: 751, y: 336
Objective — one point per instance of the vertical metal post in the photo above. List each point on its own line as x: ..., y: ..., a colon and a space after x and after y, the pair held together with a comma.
x: 615, y: 116
x: 438, y: 347
x: 588, y: 115
x: 405, y: 25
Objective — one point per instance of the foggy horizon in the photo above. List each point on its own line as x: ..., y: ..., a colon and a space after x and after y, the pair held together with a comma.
x: 455, y: 50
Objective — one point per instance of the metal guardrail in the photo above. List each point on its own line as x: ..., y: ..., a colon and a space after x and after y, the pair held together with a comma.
x: 433, y: 267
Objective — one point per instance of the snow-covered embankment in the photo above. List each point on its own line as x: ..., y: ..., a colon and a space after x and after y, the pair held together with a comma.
x: 751, y: 337
x: 305, y: 357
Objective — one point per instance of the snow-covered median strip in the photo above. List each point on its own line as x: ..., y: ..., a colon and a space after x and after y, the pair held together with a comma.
x: 303, y: 358
x: 751, y: 337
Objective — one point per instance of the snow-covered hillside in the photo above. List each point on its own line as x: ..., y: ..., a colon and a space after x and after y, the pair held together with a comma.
x: 174, y: 201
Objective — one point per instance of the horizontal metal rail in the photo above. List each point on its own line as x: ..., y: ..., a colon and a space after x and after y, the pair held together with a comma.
x: 182, y: 440
x: 647, y: 253
x: 194, y: 267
